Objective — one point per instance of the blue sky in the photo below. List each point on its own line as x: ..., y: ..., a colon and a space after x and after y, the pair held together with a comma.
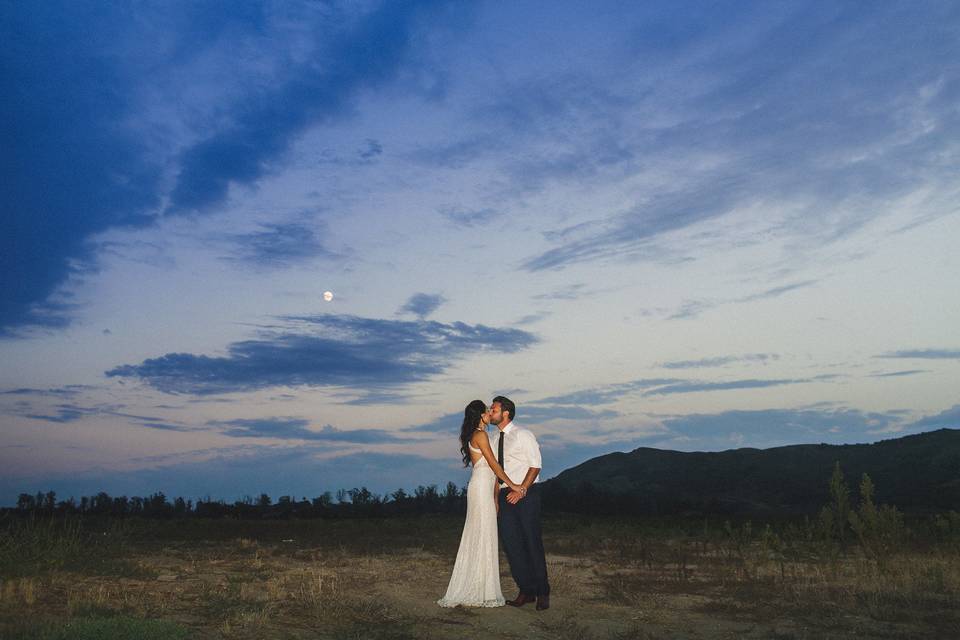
x: 695, y: 226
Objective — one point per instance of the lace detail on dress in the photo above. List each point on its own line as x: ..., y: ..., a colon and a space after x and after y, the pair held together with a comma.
x: 475, y: 581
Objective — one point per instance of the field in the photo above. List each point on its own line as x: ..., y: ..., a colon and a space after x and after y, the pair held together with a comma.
x: 380, y: 578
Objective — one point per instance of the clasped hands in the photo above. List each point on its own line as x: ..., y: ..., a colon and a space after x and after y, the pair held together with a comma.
x: 517, y: 493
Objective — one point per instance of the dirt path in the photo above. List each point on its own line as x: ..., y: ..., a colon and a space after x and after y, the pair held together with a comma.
x: 578, y: 610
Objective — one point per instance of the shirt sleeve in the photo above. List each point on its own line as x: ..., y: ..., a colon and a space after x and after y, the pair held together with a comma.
x: 532, y: 450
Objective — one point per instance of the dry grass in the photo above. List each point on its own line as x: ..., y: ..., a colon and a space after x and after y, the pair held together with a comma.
x: 380, y: 579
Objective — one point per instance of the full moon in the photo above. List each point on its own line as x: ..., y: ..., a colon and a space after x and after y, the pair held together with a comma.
x: 328, y: 295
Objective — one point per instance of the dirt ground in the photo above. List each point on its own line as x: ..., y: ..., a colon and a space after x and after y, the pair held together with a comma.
x: 246, y: 587
x: 301, y: 594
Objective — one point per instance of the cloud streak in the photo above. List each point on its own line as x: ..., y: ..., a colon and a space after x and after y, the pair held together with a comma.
x: 327, y: 351
x: 900, y: 374
x: 648, y: 387
x: 775, y: 427
x: 67, y: 391
x: 297, y: 429
x: 469, y: 217
x: 279, y: 245
x: 697, y: 387
x: 694, y: 308
x: 924, y: 354
x: 72, y: 412
x: 720, y: 361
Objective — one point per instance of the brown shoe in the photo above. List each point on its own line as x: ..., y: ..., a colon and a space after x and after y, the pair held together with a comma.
x: 543, y: 602
x: 521, y: 600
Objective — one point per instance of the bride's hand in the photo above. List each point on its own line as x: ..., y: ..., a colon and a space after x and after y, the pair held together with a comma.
x: 515, y: 487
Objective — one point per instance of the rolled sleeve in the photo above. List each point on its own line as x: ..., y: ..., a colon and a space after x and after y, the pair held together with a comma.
x: 531, y: 450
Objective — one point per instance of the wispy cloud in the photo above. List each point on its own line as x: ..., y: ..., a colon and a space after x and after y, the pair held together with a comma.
x: 746, y: 122
x: 469, y: 217
x: 73, y: 412
x: 67, y: 391
x: 544, y: 414
x: 899, y: 374
x: 693, y: 308
x: 371, y: 149
x: 63, y: 414
x: 372, y: 396
x: 569, y: 292
x: 422, y: 304
x: 327, y: 350
x: 607, y: 394
x: 697, y: 387
x: 279, y: 245
x: 776, y: 292
x: 924, y: 354
x: 776, y: 427
x: 529, y: 413
x: 167, y: 426
x: 648, y: 387
x: 627, y: 233
x: 285, y: 428
x: 720, y: 361
x: 532, y: 318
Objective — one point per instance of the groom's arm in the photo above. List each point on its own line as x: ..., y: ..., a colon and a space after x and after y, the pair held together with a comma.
x: 515, y: 496
x: 531, y: 450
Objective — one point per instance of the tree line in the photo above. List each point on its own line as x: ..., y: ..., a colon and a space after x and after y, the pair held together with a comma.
x: 840, y: 518
x: 343, y: 503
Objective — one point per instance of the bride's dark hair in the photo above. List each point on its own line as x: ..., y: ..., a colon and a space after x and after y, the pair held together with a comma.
x: 471, y: 418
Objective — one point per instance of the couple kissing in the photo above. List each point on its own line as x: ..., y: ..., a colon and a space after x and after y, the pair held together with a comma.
x: 503, y: 498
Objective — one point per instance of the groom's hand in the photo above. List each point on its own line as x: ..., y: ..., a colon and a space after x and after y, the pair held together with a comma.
x: 514, y: 497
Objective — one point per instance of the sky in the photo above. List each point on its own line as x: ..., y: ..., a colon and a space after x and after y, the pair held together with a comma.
x: 686, y: 225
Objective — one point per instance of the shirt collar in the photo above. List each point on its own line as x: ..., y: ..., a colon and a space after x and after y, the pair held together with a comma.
x: 507, y: 429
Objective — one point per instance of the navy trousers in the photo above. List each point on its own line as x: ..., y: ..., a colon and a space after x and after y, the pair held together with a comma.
x: 519, y: 526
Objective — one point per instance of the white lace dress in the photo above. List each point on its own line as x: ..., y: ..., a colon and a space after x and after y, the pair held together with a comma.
x: 476, y: 573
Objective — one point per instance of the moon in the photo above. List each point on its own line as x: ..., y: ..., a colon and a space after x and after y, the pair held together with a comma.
x: 328, y: 295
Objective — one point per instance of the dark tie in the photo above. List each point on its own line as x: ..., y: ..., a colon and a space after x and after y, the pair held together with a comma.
x: 500, y: 454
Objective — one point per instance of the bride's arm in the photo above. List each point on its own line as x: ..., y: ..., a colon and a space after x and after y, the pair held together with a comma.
x: 481, y: 440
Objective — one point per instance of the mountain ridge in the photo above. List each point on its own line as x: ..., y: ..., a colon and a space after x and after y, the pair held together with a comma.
x: 916, y: 473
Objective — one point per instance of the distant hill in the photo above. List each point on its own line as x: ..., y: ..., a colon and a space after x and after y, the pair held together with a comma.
x: 916, y: 473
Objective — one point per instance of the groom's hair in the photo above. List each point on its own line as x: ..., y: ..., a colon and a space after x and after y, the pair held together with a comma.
x: 506, y: 404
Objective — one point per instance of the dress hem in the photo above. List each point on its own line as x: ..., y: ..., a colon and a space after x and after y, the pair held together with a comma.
x: 449, y: 604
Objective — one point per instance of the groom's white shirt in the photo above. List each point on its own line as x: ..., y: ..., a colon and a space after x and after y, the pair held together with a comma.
x: 520, y: 451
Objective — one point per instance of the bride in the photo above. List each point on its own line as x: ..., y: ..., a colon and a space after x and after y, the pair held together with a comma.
x: 476, y: 573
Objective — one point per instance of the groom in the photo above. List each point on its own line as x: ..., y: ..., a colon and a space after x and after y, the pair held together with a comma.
x: 518, y: 516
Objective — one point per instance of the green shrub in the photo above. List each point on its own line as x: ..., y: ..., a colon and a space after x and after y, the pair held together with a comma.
x: 879, y: 530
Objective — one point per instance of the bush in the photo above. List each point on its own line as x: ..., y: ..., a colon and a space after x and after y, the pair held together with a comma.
x: 879, y: 530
